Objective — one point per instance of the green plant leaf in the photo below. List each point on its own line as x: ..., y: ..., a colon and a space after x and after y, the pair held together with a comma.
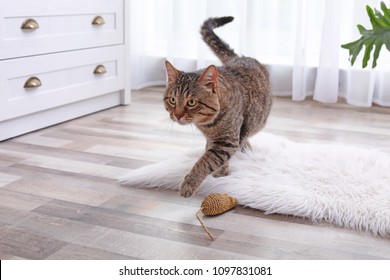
x: 386, y: 12
x: 376, y: 37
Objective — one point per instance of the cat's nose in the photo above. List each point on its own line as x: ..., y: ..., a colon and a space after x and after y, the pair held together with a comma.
x: 178, y: 115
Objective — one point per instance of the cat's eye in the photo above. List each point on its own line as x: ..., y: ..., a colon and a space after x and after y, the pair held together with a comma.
x: 191, y: 102
x: 172, y: 100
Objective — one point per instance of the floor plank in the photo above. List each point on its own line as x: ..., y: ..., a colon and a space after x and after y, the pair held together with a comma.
x: 59, y: 198
x: 26, y: 244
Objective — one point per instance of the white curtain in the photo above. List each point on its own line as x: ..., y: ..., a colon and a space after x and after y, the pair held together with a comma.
x: 298, y: 40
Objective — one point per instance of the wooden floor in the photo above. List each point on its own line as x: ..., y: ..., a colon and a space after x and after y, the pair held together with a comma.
x: 59, y: 198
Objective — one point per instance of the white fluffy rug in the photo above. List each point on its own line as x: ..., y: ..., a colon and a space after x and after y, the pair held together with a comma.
x: 343, y: 185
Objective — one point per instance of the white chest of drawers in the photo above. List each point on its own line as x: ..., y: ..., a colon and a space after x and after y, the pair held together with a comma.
x: 60, y: 60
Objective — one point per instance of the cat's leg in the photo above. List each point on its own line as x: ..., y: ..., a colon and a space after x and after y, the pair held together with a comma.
x: 212, y: 160
x: 222, y: 171
x: 244, y: 134
x: 245, y: 146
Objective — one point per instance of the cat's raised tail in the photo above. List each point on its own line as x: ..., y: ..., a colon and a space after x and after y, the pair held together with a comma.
x: 217, y: 45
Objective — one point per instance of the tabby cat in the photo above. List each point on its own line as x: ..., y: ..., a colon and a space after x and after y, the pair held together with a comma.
x: 227, y: 104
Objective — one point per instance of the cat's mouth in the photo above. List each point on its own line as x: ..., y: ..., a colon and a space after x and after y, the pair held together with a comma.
x: 184, y: 121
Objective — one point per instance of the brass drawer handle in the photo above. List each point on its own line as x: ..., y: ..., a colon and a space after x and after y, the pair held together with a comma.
x: 98, y: 20
x: 32, y: 82
x: 29, y: 24
x: 100, y: 70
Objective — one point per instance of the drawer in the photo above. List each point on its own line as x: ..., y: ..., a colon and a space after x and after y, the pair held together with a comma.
x: 60, y: 25
x: 64, y: 78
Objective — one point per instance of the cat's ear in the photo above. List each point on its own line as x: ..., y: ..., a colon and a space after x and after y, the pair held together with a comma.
x: 209, y: 77
x: 172, y: 72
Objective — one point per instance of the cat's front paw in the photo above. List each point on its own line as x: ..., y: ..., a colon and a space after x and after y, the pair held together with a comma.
x: 188, y: 187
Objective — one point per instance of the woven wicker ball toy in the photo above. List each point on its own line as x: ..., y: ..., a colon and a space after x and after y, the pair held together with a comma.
x: 215, y: 204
